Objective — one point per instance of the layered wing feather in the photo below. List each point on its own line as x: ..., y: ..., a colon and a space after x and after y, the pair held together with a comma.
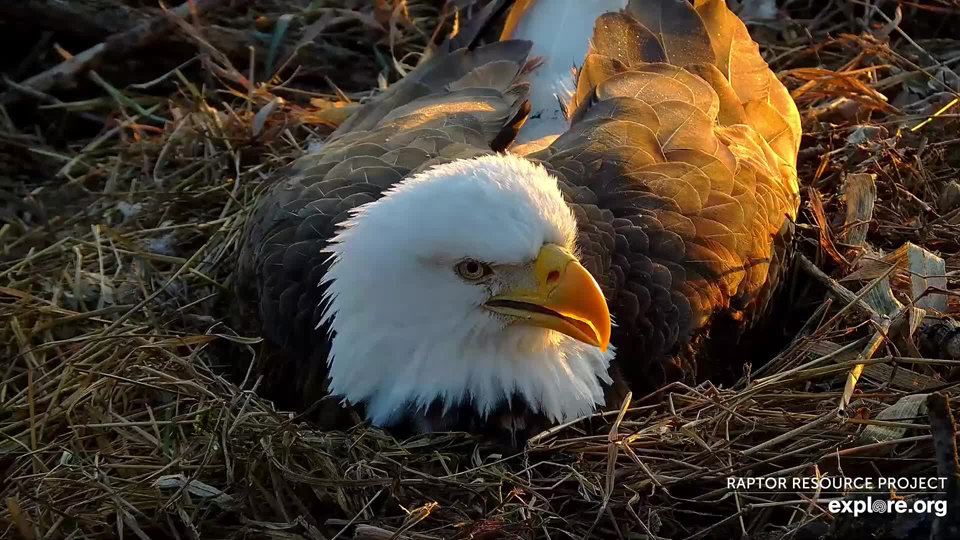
x: 681, y: 162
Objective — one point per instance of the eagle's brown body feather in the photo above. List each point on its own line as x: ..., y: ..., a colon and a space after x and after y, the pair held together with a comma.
x: 679, y: 164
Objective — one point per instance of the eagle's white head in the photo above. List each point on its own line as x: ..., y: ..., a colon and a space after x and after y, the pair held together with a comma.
x: 462, y: 282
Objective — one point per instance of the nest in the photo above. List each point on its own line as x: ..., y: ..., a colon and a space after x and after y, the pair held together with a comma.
x: 117, y: 418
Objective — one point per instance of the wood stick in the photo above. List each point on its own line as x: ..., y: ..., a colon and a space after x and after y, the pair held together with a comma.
x: 944, y: 431
x: 117, y: 45
x: 87, y: 19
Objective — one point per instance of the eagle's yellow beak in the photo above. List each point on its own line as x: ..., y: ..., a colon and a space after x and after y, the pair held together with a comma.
x: 565, y: 298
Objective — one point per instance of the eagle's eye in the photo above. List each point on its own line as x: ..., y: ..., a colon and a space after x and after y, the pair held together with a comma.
x: 472, y: 270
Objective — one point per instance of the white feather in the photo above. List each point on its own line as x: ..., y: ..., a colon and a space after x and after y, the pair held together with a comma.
x: 561, y: 34
x: 407, y: 329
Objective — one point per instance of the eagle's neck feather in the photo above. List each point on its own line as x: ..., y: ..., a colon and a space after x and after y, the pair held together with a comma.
x: 555, y: 375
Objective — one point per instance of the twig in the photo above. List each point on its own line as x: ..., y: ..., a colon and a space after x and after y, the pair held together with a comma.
x: 944, y: 431
x: 823, y: 419
x: 116, y: 46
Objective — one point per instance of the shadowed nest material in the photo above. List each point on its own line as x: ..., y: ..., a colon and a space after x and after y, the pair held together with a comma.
x: 116, y: 247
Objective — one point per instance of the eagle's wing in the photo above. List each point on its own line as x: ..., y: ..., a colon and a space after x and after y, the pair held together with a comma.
x: 680, y: 162
x: 460, y: 103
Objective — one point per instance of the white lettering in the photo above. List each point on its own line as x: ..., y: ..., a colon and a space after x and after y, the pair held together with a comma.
x: 837, y: 484
x: 869, y: 505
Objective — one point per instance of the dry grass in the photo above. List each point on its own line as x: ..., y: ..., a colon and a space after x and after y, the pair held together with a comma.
x: 115, y: 419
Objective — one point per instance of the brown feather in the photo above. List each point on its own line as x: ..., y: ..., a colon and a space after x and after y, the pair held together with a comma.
x: 679, y: 165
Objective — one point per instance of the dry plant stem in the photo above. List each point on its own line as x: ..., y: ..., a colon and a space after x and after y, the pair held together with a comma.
x: 88, y: 19
x: 944, y: 430
x: 90, y: 392
x: 115, y: 46
x: 878, y: 338
x: 613, y: 444
x: 823, y: 419
x: 841, y: 292
x: 861, y: 193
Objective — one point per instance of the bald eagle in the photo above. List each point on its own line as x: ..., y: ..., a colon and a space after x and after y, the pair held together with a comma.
x: 497, y: 241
